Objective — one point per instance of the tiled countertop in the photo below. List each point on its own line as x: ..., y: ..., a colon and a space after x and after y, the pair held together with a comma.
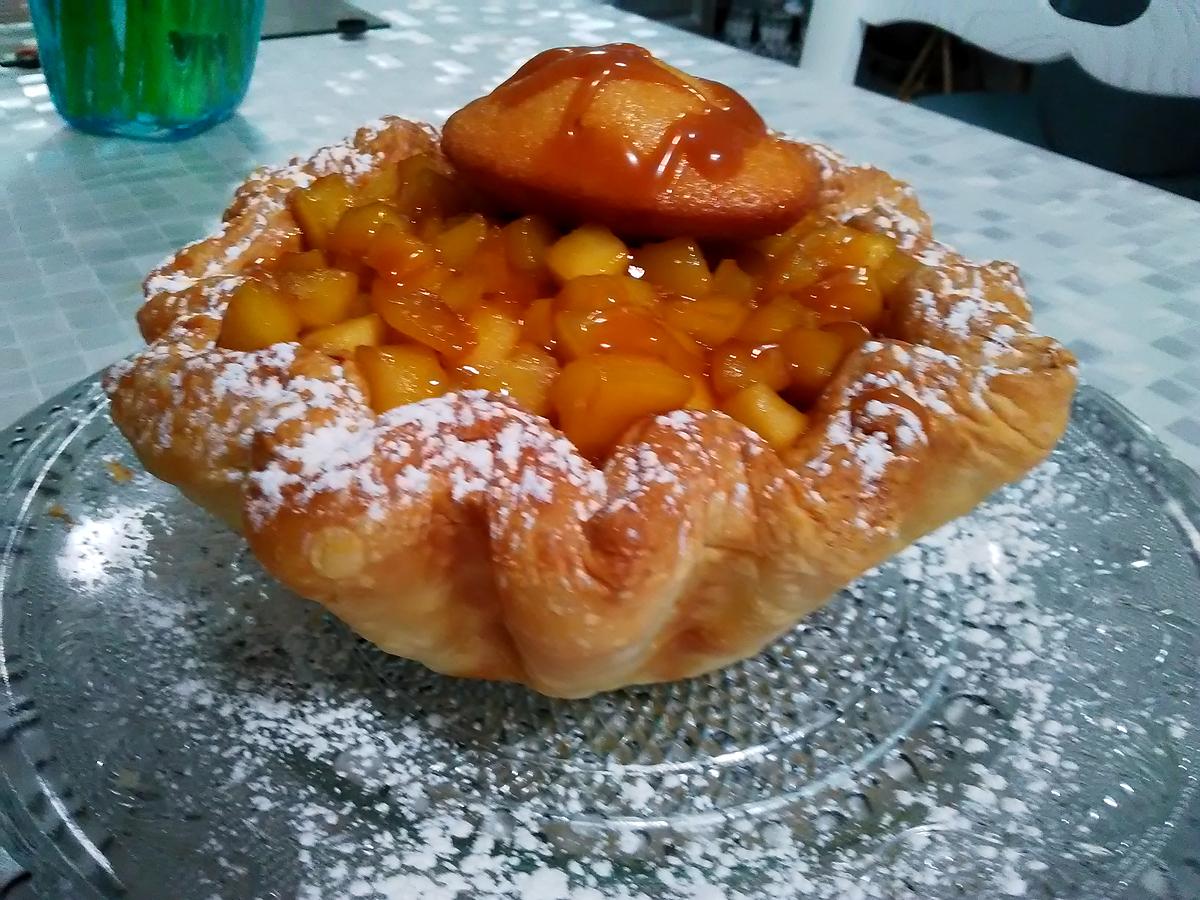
x: 1113, y: 266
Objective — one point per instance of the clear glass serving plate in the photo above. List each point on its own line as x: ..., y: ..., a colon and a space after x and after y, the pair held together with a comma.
x: 1008, y: 709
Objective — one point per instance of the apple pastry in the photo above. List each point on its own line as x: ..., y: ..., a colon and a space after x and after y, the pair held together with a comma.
x: 606, y: 384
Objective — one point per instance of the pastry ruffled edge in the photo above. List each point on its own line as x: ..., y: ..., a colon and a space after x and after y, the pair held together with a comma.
x: 470, y: 535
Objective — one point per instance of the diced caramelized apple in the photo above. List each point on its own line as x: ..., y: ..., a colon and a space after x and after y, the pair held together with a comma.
x: 771, y: 247
x: 539, y: 323
x: 730, y: 281
x: 853, y: 334
x: 430, y: 279
x: 599, y: 397
x: 848, y: 295
x: 694, y: 350
x: 319, y: 206
x: 424, y: 318
x: 398, y: 375
x: 711, y: 320
x: 302, y: 261
x: 503, y: 282
x: 557, y: 321
x: 527, y: 242
x: 579, y: 333
x: 626, y: 330
x: 527, y: 376
x: 458, y: 243
x: 429, y: 227
x: 344, y: 337
x: 585, y: 293
x: 495, y: 334
x: 775, y: 246
x: 893, y: 271
x: 768, y: 323
x: 588, y: 250
x: 380, y: 185
x: 491, y: 261
x: 762, y: 410
x: 858, y: 249
x: 355, y: 232
x: 702, y: 396
x: 426, y: 191
x: 677, y: 265
x: 463, y: 292
x: 814, y: 356
x: 737, y: 366
x: 805, y: 255
x: 257, y: 316
x: 322, y: 296
x: 397, y: 252
x: 792, y: 272
x: 760, y: 256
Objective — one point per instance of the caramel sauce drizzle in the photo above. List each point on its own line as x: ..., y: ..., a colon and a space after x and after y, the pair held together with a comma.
x: 712, y: 140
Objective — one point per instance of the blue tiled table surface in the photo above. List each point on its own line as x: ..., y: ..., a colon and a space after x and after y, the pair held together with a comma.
x: 1113, y: 266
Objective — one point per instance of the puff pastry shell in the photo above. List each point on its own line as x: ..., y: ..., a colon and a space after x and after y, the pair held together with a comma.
x: 470, y: 535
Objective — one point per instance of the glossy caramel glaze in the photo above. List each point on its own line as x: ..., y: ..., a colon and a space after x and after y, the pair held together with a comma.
x: 712, y: 140
x: 614, y: 136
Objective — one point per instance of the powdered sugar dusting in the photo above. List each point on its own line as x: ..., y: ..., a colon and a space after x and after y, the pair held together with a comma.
x: 516, y: 462
x: 880, y: 433
x: 343, y: 159
x: 391, y: 811
x: 168, y: 282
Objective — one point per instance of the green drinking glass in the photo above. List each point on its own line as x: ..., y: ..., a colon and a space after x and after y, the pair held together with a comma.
x: 155, y: 69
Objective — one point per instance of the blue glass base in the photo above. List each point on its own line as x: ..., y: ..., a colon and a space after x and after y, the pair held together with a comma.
x: 148, y: 129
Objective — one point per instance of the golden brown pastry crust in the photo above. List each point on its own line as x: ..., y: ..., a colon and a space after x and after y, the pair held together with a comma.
x: 469, y: 534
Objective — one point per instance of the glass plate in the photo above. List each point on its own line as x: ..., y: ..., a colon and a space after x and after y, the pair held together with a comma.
x: 1008, y: 708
